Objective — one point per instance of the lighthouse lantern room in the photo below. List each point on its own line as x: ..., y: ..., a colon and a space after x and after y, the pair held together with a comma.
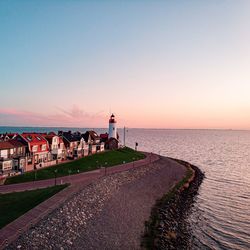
x: 112, y: 127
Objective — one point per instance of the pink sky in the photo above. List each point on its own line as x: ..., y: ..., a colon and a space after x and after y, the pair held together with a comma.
x: 77, y: 117
x: 155, y: 64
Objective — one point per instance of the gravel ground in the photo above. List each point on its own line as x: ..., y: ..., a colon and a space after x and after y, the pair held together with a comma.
x: 108, y: 214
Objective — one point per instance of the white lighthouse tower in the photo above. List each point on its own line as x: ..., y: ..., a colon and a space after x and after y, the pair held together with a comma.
x: 112, y: 127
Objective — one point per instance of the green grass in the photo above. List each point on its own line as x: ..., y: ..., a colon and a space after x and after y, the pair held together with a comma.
x: 13, y: 205
x: 88, y: 163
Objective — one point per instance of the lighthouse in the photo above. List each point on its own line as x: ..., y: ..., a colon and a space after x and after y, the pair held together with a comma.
x: 112, y: 127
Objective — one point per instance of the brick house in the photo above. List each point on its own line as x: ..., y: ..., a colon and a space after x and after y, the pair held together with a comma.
x: 38, y: 148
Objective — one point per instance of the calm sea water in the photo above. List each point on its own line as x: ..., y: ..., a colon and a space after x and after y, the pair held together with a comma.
x: 220, y: 218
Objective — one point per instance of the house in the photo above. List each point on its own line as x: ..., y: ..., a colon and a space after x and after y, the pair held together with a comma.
x: 91, y: 137
x: 56, y: 146
x: 38, y: 148
x: 112, y: 144
x: 71, y: 142
x: 16, y: 152
x: 19, y: 154
x: 94, y: 141
x: 6, y: 162
x: 83, y: 148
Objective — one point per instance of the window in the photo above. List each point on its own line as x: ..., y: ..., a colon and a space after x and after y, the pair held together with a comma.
x: 7, y: 166
x: 44, y: 147
x: 4, y: 153
x: 34, y: 148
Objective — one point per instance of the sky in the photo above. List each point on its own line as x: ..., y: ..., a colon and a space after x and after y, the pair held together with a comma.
x: 154, y: 64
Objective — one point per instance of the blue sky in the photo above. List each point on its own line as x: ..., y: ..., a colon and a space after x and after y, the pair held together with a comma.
x: 162, y: 64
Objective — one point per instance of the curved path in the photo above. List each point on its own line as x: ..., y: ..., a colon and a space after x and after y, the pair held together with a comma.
x: 82, y: 178
x: 108, y: 214
x: 11, y: 231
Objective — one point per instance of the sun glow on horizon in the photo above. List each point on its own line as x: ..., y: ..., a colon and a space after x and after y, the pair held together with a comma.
x: 155, y: 64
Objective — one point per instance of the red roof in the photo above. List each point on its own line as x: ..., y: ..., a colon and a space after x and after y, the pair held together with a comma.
x: 5, y: 145
x: 104, y: 136
x: 16, y: 143
x: 35, y: 139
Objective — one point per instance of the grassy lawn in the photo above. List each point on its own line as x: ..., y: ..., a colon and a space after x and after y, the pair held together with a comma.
x: 15, y: 204
x: 88, y: 163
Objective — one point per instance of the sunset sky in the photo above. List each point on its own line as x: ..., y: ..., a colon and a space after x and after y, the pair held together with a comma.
x: 155, y: 64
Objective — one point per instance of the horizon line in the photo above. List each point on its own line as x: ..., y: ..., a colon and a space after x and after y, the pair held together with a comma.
x: 227, y: 129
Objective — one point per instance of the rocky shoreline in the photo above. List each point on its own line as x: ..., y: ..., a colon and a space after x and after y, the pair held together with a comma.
x: 168, y: 227
x: 108, y: 214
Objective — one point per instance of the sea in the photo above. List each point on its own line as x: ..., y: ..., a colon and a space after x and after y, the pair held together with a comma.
x: 220, y: 216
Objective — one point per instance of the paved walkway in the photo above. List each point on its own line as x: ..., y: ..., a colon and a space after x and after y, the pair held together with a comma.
x: 10, y: 232
x: 77, y: 178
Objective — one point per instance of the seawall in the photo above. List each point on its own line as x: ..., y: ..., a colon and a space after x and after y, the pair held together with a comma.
x: 110, y: 213
x: 168, y: 227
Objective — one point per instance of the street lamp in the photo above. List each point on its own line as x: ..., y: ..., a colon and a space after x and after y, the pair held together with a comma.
x: 35, y: 174
x: 105, y: 167
x: 69, y: 171
x: 55, y: 172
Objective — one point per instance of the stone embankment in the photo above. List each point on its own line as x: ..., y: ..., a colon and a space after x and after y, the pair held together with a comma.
x: 107, y: 214
x: 168, y: 227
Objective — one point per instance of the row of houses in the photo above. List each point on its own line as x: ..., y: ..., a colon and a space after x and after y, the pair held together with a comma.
x: 29, y: 151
